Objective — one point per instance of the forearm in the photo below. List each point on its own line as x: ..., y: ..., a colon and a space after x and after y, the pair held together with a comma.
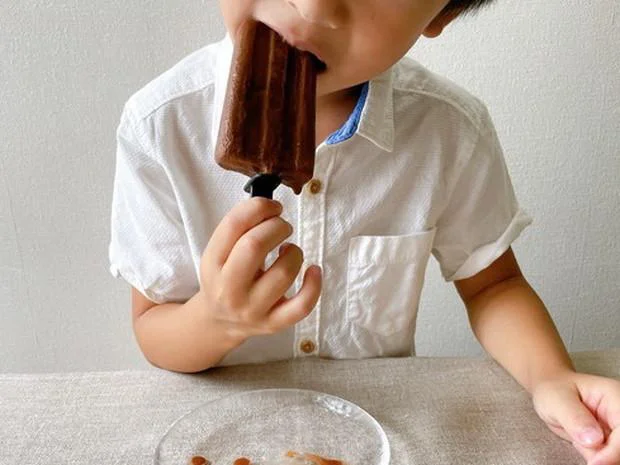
x: 178, y: 337
x: 513, y: 325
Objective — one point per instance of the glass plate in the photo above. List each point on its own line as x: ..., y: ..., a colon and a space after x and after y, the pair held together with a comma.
x: 263, y: 425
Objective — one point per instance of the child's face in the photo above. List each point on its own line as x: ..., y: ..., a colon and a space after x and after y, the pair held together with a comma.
x: 356, y: 39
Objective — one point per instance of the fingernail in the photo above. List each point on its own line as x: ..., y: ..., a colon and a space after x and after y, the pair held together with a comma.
x: 590, y: 436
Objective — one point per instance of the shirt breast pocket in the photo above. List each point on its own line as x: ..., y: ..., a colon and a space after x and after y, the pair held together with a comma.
x: 384, y: 280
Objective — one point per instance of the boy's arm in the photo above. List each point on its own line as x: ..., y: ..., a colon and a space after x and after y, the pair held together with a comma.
x: 176, y: 336
x: 237, y: 299
x: 512, y: 323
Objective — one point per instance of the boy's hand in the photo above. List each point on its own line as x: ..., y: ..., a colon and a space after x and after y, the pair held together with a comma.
x: 585, y: 410
x: 241, y: 297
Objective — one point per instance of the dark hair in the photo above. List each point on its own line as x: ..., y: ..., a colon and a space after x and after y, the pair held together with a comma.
x: 466, y: 6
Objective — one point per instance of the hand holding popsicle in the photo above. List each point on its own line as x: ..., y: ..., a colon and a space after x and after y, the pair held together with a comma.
x: 268, y: 133
x: 242, y: 298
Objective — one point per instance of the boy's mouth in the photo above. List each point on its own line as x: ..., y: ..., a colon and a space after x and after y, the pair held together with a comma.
x: 321, y: 67
x: 303, y: 45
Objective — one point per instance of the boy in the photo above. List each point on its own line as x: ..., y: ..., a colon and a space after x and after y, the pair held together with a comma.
x: 407, y: 165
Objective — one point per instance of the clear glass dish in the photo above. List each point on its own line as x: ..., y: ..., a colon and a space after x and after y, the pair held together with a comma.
x: 263, y: 425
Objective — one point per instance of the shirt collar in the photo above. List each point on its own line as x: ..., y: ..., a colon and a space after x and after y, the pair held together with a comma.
x: 351, y: 126
x: 376, y: 122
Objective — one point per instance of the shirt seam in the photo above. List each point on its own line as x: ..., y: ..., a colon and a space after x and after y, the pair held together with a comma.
x: 139, y: 132
x: 149, y: 150
x: 498, y: 244
x: 140, y: 116
x: 134, y: 281
x: 457, y: 178
x: 297, y: 334
x: 454, y: 104
x: 323, y: 213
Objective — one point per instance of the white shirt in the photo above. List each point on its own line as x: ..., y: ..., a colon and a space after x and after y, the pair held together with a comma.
x: 420, y: 171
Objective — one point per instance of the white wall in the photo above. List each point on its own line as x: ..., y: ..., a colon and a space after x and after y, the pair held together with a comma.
x: 550, y: 74
x: 548, y: 70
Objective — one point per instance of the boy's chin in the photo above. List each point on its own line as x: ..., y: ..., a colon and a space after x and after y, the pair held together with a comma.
x: 328, y: 85
x: 326, y: 88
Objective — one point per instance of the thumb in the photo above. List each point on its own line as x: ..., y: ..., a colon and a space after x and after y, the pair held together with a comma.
x: 577, y: 420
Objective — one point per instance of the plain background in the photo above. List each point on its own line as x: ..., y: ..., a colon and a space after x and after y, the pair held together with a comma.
x: 547, y: 70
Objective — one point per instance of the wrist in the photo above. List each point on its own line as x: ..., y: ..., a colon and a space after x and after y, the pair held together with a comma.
x: 228, y: 334
x: 551, y: 375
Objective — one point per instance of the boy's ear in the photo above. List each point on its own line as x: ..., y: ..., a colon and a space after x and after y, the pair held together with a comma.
x: 441, y: 21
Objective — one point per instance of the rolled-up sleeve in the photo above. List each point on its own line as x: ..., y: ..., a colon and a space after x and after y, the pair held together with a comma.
x: 148, y: 246
x: 483, y: 217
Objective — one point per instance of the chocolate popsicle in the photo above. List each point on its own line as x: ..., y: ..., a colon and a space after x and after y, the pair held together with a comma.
x: 267, y: 129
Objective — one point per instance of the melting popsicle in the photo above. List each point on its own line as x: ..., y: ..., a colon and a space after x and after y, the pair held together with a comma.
x: 267, y: 129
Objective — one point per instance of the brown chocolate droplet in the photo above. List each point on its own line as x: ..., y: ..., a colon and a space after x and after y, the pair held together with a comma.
x: 199, y: 460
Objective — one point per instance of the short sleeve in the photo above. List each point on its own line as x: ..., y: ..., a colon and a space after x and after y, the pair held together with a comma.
x: 482, y: 218
x: 148, y: 246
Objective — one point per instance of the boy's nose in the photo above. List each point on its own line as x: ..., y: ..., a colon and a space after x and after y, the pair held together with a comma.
x: 326, y: 13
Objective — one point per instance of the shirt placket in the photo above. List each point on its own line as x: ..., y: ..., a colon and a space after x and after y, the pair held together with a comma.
x: 311, y: 234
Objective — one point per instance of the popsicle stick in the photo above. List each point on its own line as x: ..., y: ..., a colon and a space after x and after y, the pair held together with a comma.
x: 262, y: 185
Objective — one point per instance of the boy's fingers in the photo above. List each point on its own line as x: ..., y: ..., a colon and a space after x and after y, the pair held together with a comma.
x: 300, y: 306
x: 279, y: 277
x: 577, y: 420
x: 249, y: 253
x: 610, y: 454
x: 242, y: 218
x: 258, y: 274
x: 559, y: 431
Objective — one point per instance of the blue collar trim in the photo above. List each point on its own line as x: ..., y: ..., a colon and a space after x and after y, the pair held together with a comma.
x: 350, y: 127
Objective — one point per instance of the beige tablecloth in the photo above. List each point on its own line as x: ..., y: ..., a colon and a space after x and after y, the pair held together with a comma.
x: 434, y: 411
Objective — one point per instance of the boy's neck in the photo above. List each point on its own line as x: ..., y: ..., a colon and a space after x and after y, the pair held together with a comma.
x: 333, y: 110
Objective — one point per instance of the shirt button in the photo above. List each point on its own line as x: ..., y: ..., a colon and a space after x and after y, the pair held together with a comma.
x: 315, y: 186
x: 307, y: 346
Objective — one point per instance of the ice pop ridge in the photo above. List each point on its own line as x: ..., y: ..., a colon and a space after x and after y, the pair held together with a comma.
x: 268, y: 121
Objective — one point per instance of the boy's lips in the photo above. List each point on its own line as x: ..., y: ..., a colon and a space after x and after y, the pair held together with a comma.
x: 300, y: 43
x: 306, y: 47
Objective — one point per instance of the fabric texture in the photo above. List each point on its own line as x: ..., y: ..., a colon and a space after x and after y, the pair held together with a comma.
x: 417, y: 171
x: 434, y: 411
